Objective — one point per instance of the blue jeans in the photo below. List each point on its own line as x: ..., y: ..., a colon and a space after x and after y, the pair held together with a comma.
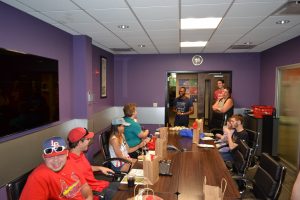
x: 111, y: 190
x: 226, y: 156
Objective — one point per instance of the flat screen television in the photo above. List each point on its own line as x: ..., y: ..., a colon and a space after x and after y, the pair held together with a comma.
x: 28, y: 92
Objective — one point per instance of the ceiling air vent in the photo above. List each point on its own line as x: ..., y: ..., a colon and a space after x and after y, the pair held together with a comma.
x: 242, y: 46
x: 289, y: 8
x: 119, y: 50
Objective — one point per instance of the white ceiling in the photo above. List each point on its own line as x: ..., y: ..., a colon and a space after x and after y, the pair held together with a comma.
x: 155, y: 23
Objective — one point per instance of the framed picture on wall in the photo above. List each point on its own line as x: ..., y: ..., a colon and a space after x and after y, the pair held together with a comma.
x: 103, y: 88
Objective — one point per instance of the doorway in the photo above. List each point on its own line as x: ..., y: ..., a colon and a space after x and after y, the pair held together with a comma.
x: 200, y: 87
x: 288, y: 111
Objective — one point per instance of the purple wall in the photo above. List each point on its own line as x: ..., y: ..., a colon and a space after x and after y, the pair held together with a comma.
x: 280, y: 55
x: 22, y: 32
x: 101, y: 104
x: 142, y: 78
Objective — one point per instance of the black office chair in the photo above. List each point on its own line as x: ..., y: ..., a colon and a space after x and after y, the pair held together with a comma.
x: 104, y: 145
x: 253, y: 142
x: 15, y: 187
x: 241, y: 159
x: 267, y: 182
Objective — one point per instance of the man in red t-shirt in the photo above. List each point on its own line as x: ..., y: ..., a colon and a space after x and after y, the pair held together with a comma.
x: 56, y: 178
x: 218, y: 94
x: 79, y: 139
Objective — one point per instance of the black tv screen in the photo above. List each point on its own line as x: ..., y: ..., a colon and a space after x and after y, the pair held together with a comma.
x: 28, y: 92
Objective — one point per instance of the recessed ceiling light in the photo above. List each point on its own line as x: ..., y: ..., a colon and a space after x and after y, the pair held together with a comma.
x: 200, y: 23
x: 193, y: 44
x: 141, y: 45
x: 283, y: 22
x: 123, y: 26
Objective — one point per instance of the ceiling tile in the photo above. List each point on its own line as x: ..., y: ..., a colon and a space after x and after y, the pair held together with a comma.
x: 147, y: 3
x: 168, y: 50
x: 100, y: 4
x: 192, y: 2
x: 112, y: 15
x: 236, y: 31
x: 249, y: 22
x: 215, y: 49
x: 108, y: 40
x: 205, y: 10
x: 164, y: 34
x: 53, y: 5
x: 253, y: 9
x: 86, y: 28
x: 66, y: 29
x: 231, y: 38
x: 259, y: 35
x: 157, y: 13
x: 160, y: 24
x: 70, y: 16
x: 18, y: 5
x: 191, y: 50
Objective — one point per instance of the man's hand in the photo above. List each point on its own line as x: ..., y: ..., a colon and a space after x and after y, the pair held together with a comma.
x: 106, y: 170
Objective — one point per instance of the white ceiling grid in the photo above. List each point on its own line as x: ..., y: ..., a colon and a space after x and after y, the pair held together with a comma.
x: 156, y: 23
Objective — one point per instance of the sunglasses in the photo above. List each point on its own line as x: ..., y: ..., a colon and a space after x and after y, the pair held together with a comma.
x: 54, y: 149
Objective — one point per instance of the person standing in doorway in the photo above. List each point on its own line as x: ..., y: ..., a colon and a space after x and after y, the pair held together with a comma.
x: 183, y: 107
x: 218, y: 93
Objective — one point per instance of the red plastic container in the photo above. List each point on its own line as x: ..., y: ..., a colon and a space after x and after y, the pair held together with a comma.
x: 260, y: 110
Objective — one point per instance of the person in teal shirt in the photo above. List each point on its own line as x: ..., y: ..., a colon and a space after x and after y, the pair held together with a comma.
x: 134, y: 134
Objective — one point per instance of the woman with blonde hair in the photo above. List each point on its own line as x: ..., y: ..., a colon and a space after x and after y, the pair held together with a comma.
x: 134, y: 133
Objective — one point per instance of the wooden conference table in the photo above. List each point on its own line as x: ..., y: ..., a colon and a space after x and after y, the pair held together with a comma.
x: 189, y: 168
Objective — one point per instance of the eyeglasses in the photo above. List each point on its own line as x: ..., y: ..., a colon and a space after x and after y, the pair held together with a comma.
x: 54, y: 149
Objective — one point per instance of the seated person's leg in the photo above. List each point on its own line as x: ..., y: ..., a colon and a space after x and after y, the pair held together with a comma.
x: 135, y: 154
x: 226, y: 156
x: 111, y: 190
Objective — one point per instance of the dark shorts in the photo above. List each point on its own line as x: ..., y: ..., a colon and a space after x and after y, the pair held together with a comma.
x: 136, y: 153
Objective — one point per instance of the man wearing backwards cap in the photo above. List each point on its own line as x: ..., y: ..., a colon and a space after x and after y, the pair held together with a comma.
x: 79, y: 139
x: 56, y: 178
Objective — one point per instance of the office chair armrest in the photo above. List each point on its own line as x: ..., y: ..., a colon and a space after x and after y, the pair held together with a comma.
x: 228, y: 164
x: 109, y: 160
x: 247, y: 184
x: 116, y: 159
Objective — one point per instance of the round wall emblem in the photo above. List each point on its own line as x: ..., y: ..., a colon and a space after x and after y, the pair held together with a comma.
x: 197, y: 60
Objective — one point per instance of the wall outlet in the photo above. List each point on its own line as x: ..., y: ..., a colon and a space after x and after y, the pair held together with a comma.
x: 154, y: 104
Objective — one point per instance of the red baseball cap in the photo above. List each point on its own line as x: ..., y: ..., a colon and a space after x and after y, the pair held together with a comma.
x: 79, y: 133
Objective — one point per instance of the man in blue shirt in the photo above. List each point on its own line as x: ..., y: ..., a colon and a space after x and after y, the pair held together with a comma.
x: 183, y: 107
